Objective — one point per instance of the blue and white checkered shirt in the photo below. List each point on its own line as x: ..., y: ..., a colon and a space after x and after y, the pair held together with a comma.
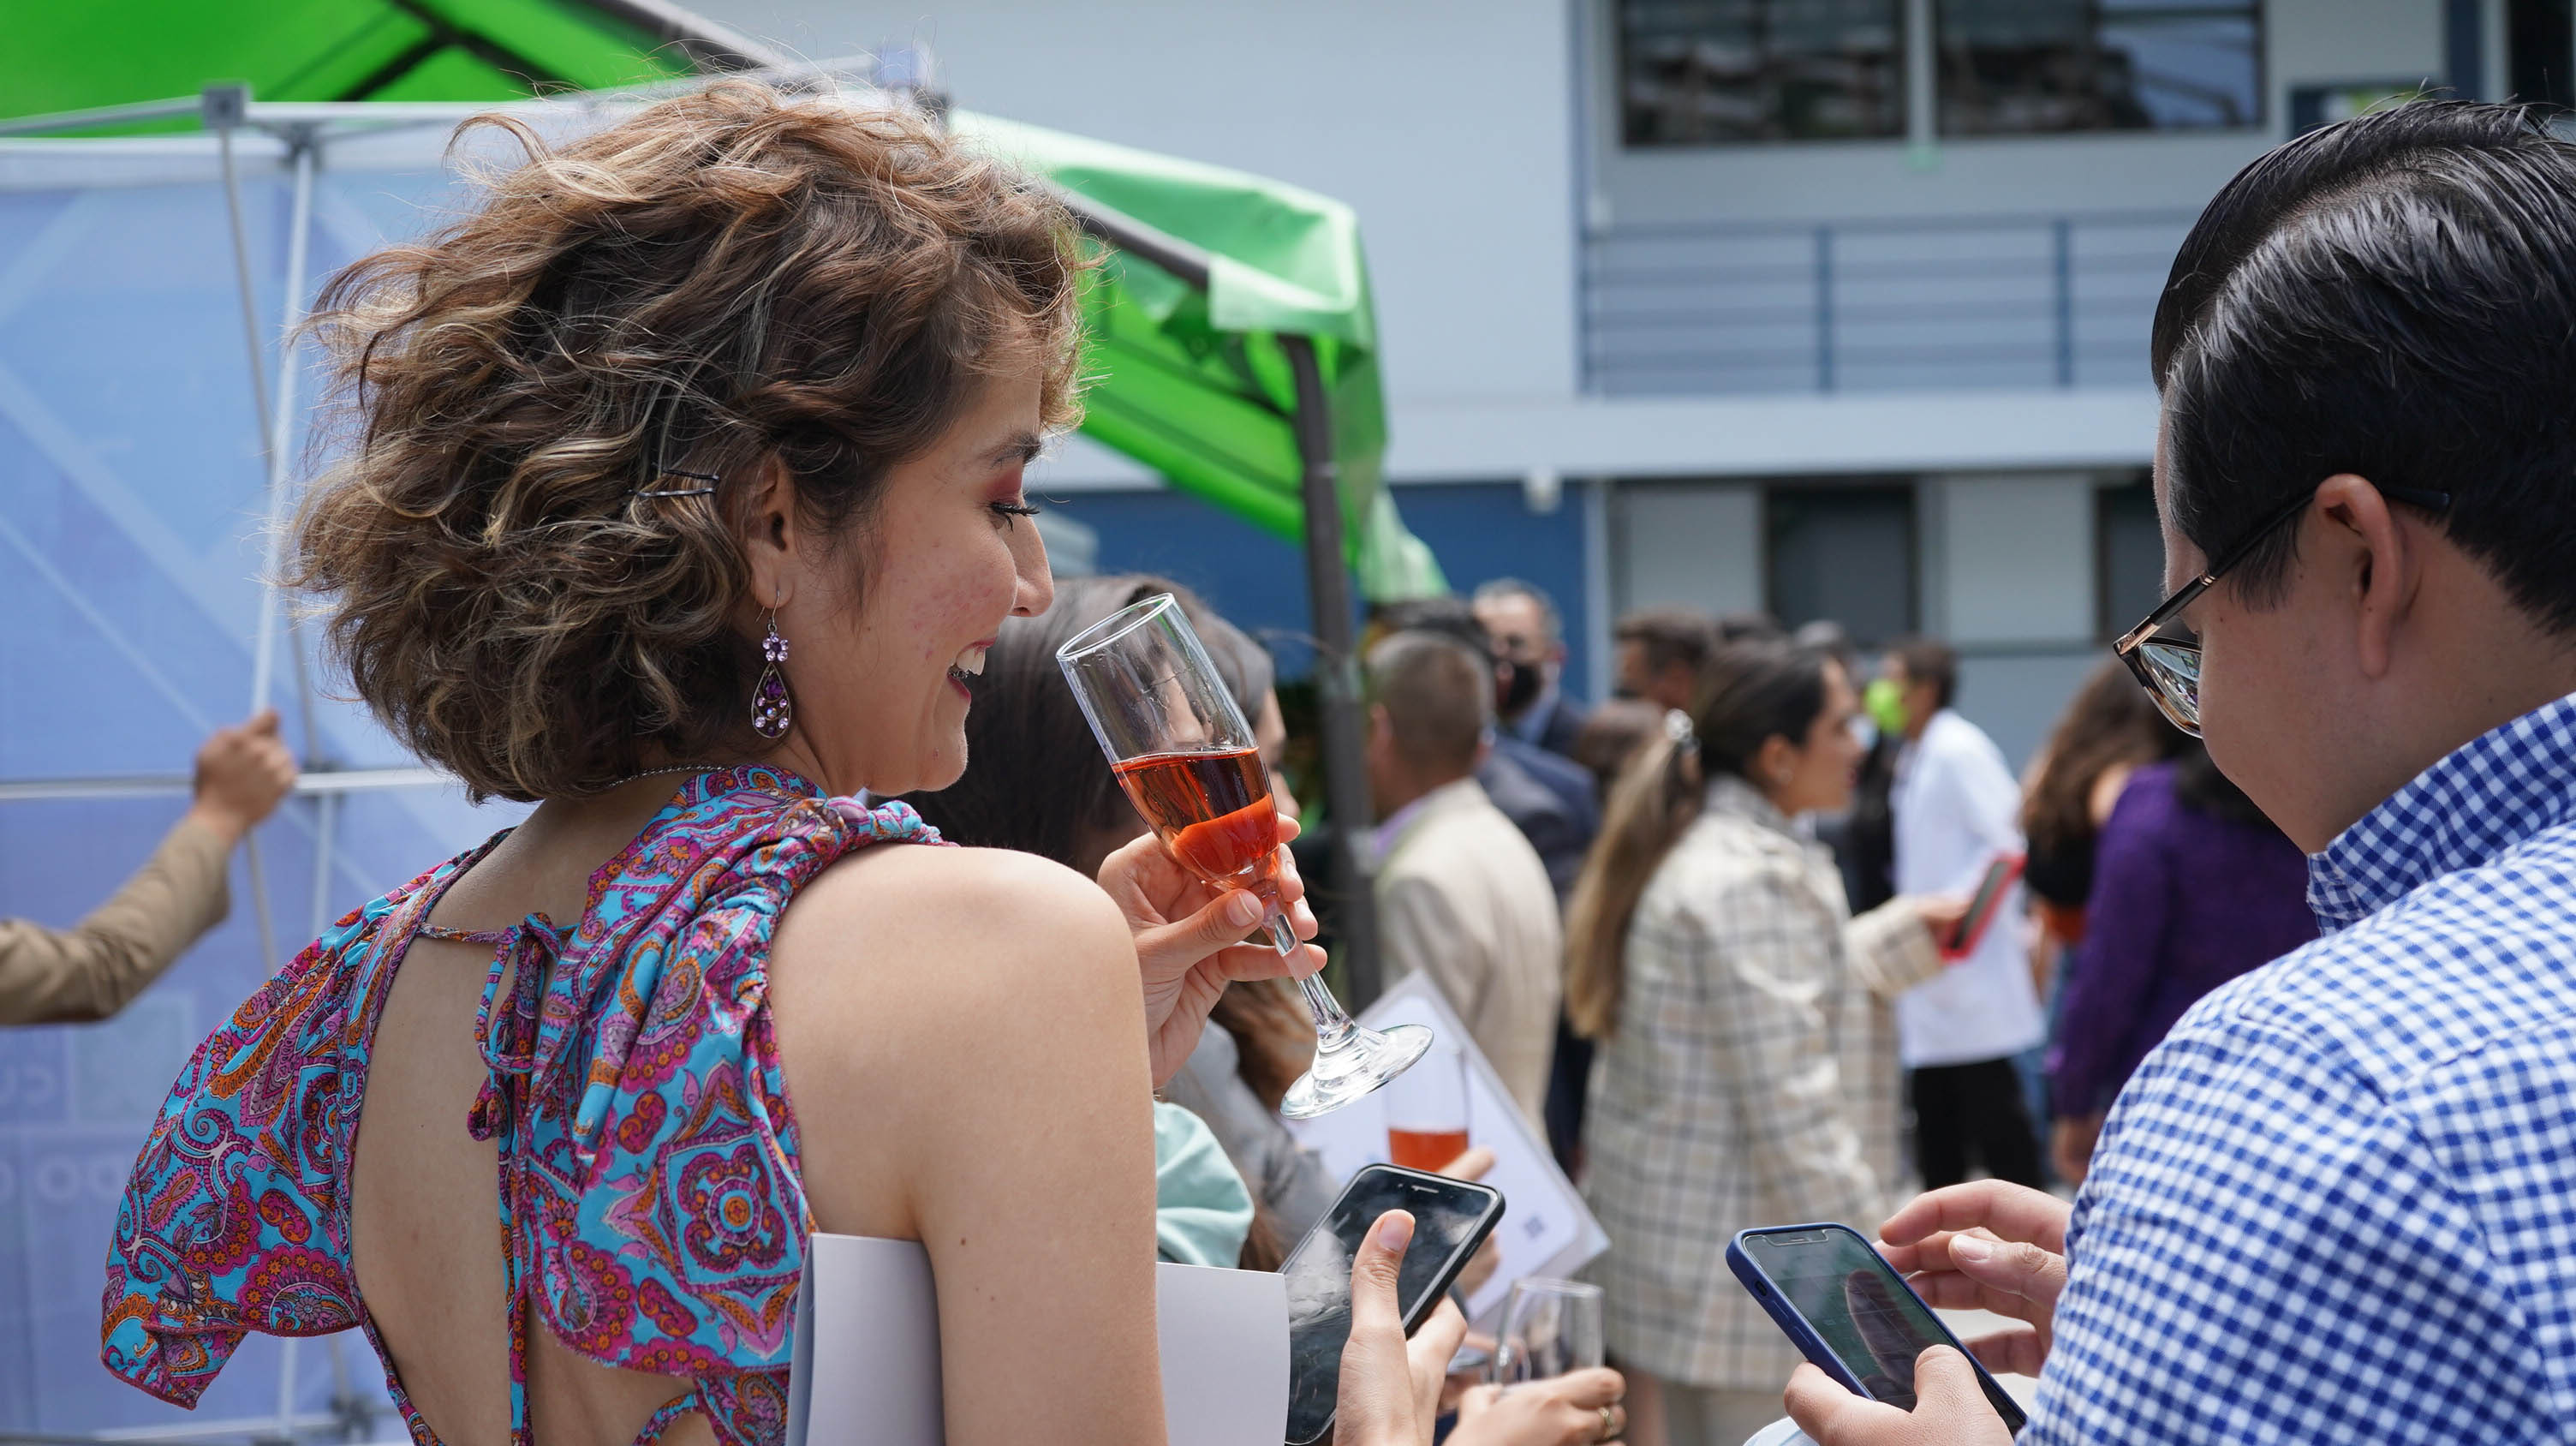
x: 2338, y: 1204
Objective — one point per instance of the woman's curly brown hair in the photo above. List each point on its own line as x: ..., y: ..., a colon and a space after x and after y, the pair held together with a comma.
x: 726, y: 280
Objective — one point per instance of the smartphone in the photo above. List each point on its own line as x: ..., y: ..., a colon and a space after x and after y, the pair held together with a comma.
x: 1847, y: 1310
x: 1450, y: 1219
x: 1999, y: 876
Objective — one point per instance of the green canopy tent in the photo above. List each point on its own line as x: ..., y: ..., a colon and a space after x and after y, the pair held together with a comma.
x: 1233, y: 337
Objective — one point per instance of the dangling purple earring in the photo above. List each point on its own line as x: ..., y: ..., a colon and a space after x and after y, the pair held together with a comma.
x: 772, y: 711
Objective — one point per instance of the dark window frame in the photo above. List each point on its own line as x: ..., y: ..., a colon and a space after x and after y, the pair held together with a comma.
x: 1622, y: 53
x: 2113, y: 614
x: 1621, y: 56
x: 1901, y: 485
x: 2259, y: 11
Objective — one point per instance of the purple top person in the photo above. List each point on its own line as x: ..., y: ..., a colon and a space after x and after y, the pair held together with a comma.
x: 2184, y: 899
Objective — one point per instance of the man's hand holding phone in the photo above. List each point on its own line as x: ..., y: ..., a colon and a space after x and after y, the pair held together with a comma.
x: 1985, y: 1245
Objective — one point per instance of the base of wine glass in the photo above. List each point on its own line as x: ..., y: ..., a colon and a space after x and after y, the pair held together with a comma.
x: 1363, y: 1061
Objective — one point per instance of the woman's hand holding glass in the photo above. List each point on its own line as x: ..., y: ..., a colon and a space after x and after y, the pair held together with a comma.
x: 1190, y: 939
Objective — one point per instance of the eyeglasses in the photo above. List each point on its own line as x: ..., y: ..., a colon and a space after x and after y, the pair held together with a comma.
x: 2169, y: 667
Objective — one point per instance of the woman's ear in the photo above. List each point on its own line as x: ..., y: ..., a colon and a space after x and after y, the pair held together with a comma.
x: 769, y: 534
x: 1774, y: 763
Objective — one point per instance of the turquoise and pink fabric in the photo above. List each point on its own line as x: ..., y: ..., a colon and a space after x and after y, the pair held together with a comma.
x: 649, y: 1197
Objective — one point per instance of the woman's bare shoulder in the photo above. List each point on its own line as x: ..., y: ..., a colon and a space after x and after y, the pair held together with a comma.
x: 981, y: 917
x: 1004, y: 981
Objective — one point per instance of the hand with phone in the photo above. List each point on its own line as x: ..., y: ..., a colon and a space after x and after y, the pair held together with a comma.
x: 1985, y: 1245
x: 1343, y: 1315
x: 1388, y: 1390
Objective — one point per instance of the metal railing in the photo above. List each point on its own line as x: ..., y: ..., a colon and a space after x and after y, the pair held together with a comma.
x: 1681, y: 309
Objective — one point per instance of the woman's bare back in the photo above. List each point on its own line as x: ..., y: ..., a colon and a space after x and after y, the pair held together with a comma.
x: 425, y: 1193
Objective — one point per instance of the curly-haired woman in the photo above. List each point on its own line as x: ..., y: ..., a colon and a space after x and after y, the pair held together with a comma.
x: 683, y: 499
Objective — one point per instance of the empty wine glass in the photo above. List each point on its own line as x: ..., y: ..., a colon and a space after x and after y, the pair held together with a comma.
x: 1186, y: 757
x: 1550, y: 1328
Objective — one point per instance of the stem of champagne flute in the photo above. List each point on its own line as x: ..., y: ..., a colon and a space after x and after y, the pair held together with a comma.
x: 1332, y: 1027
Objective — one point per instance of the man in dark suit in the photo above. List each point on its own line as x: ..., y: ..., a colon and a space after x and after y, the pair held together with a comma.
x: 1528, y: 636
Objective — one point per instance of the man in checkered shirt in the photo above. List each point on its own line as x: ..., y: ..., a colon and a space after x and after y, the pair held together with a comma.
x: 2339, y: 1203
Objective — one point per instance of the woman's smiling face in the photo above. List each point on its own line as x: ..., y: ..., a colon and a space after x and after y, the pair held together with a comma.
x: 887, y: 631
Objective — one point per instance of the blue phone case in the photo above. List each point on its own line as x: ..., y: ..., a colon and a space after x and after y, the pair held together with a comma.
x: 1812, y: 1345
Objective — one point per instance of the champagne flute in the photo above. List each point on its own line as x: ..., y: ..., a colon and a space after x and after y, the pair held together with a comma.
x: 1550, y: 1328
x: 1185, y: 755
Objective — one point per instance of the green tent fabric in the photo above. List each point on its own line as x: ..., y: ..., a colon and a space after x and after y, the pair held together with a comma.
x: 1192, y: 382
x: 119, y: 51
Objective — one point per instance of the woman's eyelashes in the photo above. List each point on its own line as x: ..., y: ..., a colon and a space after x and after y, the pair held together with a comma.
x: 1012, y: 512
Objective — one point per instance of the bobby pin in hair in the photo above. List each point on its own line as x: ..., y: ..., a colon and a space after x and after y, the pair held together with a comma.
x: 709, y: 490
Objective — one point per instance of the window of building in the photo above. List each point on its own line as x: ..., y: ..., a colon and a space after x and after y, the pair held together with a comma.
x: 1703, y: 72
x: 2129, y: 556
x: 1844, y: 553
x: 2027, y: 67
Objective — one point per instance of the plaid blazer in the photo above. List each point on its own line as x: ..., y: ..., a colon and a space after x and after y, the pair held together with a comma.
x: 1752, y: 1081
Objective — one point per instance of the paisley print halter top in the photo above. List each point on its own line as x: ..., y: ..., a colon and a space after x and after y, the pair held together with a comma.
x: 651, y: 1210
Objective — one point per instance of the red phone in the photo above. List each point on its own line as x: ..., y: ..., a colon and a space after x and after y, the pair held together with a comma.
x: 2000, y: 874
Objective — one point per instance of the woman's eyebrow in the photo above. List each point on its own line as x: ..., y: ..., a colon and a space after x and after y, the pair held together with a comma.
x: 1021, y: 447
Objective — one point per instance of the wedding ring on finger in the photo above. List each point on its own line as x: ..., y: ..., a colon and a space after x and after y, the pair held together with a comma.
x: 1609, y: 1423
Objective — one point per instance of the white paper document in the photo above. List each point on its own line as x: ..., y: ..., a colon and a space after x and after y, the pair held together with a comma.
x: 867, y: 1350
x: 1545, y: 1228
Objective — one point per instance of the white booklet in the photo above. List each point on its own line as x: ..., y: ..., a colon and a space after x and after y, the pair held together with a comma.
x: 1546, y: 1229
x: 867, y: 1350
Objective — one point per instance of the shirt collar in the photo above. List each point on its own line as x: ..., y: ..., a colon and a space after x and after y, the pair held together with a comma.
x: 2481, y: 799
x: 1392, y: 829
x: 1729, y: 794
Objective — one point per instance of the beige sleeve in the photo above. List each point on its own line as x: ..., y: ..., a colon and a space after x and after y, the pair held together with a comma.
x: 1890, y: 950
x: 96, y: 967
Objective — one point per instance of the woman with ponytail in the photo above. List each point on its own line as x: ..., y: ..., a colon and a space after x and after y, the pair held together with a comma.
x: 1748, y: 1057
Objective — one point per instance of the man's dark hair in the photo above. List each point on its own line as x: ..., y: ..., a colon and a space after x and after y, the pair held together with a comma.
x: 1751, y: 627
x: 1669, y: 636
x: 1510, y: 587
x: 2392, y: 296
x: 1451, y: 617
x: 1929, y: 660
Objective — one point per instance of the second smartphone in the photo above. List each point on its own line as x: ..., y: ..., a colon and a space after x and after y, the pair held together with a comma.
x: 1450, y: 1219
x: 1847, y: 1310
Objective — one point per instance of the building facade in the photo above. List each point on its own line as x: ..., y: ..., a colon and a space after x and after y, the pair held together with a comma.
x: 1825, y: 307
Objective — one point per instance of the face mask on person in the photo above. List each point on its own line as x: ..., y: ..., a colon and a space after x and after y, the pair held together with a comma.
x: 1885, y: 704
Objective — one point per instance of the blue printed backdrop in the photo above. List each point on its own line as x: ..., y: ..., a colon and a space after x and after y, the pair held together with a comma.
x: 131, y: 500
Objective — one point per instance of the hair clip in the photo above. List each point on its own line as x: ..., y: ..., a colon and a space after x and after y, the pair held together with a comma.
x: 709, y: 478
x: 1677, y: 727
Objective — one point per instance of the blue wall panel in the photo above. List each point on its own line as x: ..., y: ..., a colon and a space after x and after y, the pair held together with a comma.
x: 1478, y: 530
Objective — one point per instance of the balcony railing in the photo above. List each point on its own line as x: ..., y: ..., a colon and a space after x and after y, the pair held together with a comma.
x: 1847, y: 306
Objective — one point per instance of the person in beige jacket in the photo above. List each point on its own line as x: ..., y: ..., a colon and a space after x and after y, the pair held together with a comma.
x: 1461, y: 895
x: 96, y: 967
x: 1747, y: 1072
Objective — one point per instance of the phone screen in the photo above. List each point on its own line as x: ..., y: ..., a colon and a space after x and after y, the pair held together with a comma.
x: 1990, y: 892
x: 1449, y: 1218
x: 1861, y: 1308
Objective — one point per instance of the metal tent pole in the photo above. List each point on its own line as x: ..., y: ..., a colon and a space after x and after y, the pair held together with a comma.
x: 224, y: 108
x: 1337, y: 673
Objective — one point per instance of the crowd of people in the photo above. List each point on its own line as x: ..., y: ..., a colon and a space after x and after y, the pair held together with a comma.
x: 639, y: 531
